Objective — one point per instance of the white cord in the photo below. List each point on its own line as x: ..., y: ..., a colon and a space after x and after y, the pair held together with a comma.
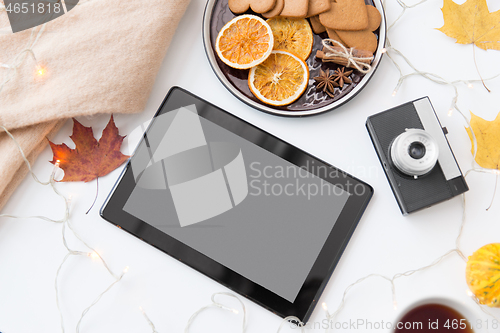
x: 65, y: 221
x: 150, y: 323
x: 221, y: 306
x: 292, y: 320
x: 21, y: 57
x: 429, y: 76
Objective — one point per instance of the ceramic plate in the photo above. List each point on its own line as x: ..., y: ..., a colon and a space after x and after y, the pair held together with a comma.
x: 217, y: 14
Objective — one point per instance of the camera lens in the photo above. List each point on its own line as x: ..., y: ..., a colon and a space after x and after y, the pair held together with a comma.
x: 416, y: 150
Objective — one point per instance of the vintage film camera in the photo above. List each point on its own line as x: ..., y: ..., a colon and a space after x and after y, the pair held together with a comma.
x: 415, y: 155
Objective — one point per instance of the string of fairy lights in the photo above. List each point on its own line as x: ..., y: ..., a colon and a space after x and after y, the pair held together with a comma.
x: 21, y: 57
x: 66, y: 223
x: 391, y: 52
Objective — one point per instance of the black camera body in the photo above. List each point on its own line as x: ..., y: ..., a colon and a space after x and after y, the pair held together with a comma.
x: 415, y: 155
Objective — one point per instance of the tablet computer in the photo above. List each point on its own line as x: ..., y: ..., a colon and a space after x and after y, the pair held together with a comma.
x: 245, y: 208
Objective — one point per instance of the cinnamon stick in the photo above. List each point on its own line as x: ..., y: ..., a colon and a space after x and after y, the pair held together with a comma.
x: 343, y: 61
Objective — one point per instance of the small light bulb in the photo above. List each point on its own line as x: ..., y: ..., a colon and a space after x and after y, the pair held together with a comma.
x: 125, y: 270
x: 450, y: 112
x: 395, y: 305
x: 324, y: 306
x: 68, y: 203
x: 469, y: 293
x: 40, y: 71
x: 93, y: 255
x: 470, y: 86
x: 384, y: 50
x: 394, y: 93
x: 234, y: 311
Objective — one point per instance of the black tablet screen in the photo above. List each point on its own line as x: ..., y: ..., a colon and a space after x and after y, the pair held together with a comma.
x: 233, y: 201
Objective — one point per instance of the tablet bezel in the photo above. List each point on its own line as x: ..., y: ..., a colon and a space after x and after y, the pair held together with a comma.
x: 308, y: 296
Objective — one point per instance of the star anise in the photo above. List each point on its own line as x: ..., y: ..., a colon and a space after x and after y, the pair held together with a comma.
x: 342, y: 77
x: 326, y: 82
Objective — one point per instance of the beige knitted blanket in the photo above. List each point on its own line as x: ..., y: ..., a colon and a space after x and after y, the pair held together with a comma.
x: 100, y: 57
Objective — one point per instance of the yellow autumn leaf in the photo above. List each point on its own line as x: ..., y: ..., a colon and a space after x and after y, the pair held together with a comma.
x: 472, y: 23
x: 488, y: 141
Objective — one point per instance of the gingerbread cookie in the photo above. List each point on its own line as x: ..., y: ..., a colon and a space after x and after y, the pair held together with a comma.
x: 333, y: 35
x: 316, y: 25
x: 258, y: 6
x: 361, y: 40
x: 276, y: 10
x: 346, y: 15
x: 295, y: 8
x: 374, y: 18
x: 317, y: 7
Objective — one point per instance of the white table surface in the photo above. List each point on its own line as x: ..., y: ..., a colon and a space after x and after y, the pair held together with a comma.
x: 385, y: 242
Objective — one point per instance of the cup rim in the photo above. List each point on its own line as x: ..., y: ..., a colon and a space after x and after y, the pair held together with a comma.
x: 465, y: 311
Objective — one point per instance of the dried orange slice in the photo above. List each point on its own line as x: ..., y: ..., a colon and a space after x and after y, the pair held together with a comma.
x: 244, y: 42
x: 294, y: 35
x: 280, y: 80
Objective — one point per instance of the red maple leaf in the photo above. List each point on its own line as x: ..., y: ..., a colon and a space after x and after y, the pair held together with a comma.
x: 90, y: 159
